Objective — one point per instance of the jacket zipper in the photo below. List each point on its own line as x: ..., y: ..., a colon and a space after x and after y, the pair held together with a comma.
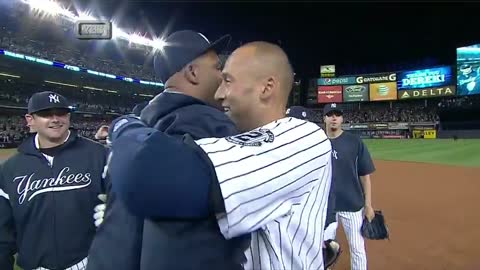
x: 55, y: 243
x: 52, y: 172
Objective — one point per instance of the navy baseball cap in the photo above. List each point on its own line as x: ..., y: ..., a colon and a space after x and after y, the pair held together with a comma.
x: 137, y: 110
x: 299, y: 112
x: 182, y: 47
x: 332, y: 107
x: 47, y: 100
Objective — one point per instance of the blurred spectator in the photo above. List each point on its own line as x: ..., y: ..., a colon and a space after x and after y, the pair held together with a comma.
x: 411, y: 111
x: 16, y: 93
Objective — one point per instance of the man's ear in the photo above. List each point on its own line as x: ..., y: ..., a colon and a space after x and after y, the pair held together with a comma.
x: 268, y: 87
x: 29, y: 119
x: 191, y: 73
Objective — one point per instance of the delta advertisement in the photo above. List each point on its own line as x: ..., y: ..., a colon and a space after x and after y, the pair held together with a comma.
x: 425, y: 78
x: 328, y: 94
x: 383, y: 91
x: 355, y: 93
x: 443, y: 91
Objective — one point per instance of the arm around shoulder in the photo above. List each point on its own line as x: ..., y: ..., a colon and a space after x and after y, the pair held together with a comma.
x: 158, y: 176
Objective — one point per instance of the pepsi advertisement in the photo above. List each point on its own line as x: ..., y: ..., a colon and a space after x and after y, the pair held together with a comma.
x: 336, y: 81
x: 425, y: 78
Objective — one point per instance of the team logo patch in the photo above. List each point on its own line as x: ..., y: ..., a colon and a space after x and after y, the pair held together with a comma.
x: 252, y: 138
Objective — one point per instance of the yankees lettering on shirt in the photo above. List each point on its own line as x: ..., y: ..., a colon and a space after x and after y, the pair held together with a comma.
x: 28, y: 187
x: 275, y: 182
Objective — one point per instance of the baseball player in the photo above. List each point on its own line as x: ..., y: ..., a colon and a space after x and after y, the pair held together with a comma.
x: 47, y: 191
x: 191, y: 70
x: 352, y: 167
x: 331, y: 247
x: 272, y: 181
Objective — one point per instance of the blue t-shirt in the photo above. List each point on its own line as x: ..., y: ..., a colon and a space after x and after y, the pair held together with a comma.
x: 351, y: 160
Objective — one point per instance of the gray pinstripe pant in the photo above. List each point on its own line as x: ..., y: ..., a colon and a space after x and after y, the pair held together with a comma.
x: 352, y: 224
x: 82, y: 265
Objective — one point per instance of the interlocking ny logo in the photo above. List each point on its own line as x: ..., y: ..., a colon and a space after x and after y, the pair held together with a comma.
x: 54, y: 98
x: 334, y: 105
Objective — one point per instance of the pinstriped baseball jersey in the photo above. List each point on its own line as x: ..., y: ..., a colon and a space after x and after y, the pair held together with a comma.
x: 275, y: 183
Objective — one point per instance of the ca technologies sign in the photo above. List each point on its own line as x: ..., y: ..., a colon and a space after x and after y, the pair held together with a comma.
x: 374, y: 78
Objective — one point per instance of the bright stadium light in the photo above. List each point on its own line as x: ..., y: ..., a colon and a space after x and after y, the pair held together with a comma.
x: 84, y: 16
x: 159, y: 44
x: 49, y: 7
x: 53, y: 8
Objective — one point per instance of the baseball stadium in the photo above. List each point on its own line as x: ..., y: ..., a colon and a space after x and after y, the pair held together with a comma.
x: 420, y: 123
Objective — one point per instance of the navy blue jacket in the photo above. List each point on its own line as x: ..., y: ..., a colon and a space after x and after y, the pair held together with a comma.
x: 199, y: 242
x: 46, y: 209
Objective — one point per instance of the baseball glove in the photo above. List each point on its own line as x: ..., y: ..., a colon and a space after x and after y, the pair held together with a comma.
x: 376, y: 229
x: 331, y: 253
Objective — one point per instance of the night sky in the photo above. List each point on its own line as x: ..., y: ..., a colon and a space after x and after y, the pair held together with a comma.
x: 315, y: 33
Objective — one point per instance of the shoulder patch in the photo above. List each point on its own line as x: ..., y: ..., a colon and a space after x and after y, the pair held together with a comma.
x: 252, y: 138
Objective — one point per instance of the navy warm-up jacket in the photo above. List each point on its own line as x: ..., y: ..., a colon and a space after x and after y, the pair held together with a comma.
x: 46, y: 208
x: 126, y: 242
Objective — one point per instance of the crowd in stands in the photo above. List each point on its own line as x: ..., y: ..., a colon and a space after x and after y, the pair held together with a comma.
x: 16, y: 93
x: 413, y: 111
x: 385, y: 112
x: 70, y: 53
x: 13, y: 128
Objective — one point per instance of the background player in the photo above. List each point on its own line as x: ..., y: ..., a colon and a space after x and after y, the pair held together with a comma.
x: 352, y: 166
x: 333, y: 252
x: 191, y: 71
x: 48, y: 190
x: 273, y: 181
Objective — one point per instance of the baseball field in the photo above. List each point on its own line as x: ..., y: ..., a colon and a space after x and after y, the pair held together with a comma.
x: 429, y: 193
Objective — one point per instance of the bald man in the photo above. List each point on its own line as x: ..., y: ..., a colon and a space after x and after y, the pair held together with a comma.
x: 273, y: 180
x: 243, y: 94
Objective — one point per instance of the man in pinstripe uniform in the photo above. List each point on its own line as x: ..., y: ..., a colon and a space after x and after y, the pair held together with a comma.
x: 273, y: 180
x: 352, y: 166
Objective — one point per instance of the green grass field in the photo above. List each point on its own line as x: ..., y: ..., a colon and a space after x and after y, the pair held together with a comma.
x: 449, y: 152
x: 440, y: 151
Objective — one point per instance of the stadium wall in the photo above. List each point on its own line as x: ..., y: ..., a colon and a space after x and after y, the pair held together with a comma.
x: 460, y: 134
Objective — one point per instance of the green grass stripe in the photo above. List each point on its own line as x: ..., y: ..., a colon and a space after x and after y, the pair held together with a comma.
x: 440, y: 151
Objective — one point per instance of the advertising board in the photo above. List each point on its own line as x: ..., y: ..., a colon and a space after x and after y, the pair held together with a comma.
x: 328, y: 94
x: 427, y: 92
x: 383, y: 91
x: 336, y: 81
x: 425, y: 78
x: 376, y: 78
x: 355, y: 93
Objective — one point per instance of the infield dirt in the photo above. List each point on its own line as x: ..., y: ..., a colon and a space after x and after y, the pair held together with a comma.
x: 433, y: 217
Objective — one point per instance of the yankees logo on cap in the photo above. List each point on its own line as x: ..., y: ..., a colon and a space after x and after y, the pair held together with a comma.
x: 54, y: 98
x: 332, y: 107
x: 47, y: 100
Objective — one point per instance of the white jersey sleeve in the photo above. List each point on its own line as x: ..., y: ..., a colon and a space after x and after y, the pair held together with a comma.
x: 264, y: 173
